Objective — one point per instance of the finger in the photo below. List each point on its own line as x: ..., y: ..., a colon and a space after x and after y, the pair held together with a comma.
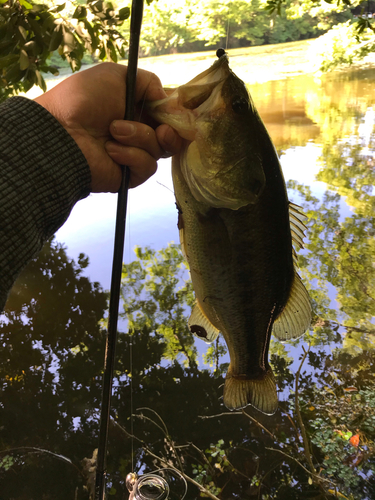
x: 148, y: 86
x: 107, y: 178
x: 169, y: 140
x: 137, y: 135
x: 142, y: 165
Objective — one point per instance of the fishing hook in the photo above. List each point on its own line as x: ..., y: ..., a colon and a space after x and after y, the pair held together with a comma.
x: 110, y: 349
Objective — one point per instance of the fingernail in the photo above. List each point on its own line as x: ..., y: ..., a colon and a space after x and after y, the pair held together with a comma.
x: 123, y: 128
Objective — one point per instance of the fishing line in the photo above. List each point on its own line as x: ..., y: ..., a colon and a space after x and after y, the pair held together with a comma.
x: 164, y: 186
x: 131, y: 400
x: 130, y: 335
x: 148, y: 486
x: 226, y: 43
x: 153, y: 486
x: 110, y: 349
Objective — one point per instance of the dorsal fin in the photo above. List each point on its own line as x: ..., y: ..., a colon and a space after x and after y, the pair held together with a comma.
x: 201, y: 326
x: 295, y: 318
x: 297, y: 227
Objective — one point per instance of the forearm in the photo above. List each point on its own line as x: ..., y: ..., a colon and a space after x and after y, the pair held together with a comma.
x: 43, y: 174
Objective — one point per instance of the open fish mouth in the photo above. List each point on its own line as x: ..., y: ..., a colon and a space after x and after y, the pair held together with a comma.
x: 215, y: 115
x: 182, y: 107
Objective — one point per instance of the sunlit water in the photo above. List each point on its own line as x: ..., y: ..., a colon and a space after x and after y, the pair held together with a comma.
x: 323, y: 130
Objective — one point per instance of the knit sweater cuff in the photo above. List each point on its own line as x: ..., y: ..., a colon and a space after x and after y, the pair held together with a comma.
x: 43, y: 174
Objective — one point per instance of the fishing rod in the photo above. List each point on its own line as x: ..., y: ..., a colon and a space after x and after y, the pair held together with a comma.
x: 110, y: 349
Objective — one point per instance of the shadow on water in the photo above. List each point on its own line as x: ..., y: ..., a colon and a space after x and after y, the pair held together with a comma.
x: 319, y: 444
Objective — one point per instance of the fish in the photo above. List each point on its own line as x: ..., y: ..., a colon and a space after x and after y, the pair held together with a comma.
x: 237, y: 229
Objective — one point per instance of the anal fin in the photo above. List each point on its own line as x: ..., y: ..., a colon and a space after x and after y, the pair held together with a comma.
x: 295, y: 318
x: 201, y: 326
x: 239, y: 391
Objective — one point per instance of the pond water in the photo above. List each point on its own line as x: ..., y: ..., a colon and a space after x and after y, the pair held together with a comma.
x: 320, y: 444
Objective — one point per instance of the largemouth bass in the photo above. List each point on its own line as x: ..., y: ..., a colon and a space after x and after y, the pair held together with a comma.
x: 236, y: 229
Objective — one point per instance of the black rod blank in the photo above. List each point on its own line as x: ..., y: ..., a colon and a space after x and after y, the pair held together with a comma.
x: 110, y: 350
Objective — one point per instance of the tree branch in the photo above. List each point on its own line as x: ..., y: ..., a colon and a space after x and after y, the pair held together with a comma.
x: 306, y: 443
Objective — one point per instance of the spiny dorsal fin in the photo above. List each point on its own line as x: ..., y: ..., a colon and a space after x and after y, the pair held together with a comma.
x: 201, y: 326
x: 295, y: 318
x: 297, y: 227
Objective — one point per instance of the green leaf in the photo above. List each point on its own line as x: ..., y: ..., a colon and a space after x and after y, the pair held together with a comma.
x: 8, y: 60
x: 49, y: 69
x: 124, y: 13
x: 75, y: 63
x: 56, y: 38
x: 25, y: 4
x: 32, y: 48
x: 80, y: 12
x: 361, y: 27
x: 38, y: 8
x: 27, y: 85
x: 69, y: 40
x: 24, y: 60
x: 40, y: 81
x: 57, y: 8
x: 97, y: 6
x: 103, y: 52
x: 111, y: 51
x: 6, y: 462
x: 37, y: 29
x: 7, y: 46
x: 14, y: 73
x: 23, y: 32
x: 93, y: 36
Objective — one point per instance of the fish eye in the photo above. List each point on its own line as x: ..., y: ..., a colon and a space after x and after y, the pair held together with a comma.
x: 240, y: 105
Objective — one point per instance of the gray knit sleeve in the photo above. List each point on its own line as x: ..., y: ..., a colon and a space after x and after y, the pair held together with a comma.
x: 43, y: 173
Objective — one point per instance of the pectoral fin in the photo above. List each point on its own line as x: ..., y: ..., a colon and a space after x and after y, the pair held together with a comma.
x: 295, y: 318
x: 240, y: 391
x: 201, y: 326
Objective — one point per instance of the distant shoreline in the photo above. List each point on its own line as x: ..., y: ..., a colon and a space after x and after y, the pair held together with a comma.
x: 256, y: 64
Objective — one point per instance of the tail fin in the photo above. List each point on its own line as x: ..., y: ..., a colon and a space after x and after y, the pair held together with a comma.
x: 260, y: 393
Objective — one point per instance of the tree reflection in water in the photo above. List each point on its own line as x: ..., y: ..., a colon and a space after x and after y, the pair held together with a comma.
x: 51, y: 362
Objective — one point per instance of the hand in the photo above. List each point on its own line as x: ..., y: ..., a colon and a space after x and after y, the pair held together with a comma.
x: 90, y: 105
